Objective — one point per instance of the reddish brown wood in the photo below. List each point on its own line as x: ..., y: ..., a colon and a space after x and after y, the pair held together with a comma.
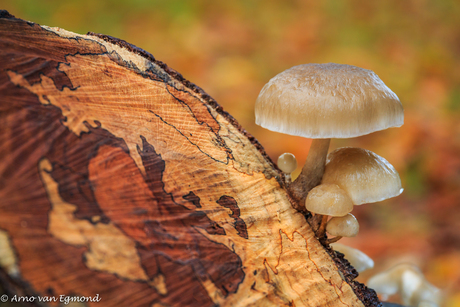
x: 121, y: 179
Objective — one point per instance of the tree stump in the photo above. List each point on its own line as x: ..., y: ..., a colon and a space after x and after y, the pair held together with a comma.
x: 123, y: 182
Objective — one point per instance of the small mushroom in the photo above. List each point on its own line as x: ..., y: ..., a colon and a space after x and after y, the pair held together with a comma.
x: 287, y: 163
x: 342, y: 226
x: 364, y: 175
x: 324, y: 101
x: 408, y: 281
x: 327, y: 200
x: 359, y: 260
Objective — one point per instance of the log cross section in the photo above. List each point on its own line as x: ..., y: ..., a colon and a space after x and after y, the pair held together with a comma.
x: 121, y: 179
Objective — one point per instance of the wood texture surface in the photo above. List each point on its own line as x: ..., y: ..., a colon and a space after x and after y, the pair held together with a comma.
x: 122, y: 179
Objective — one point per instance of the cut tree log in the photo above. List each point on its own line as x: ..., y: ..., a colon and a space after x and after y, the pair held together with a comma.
x: 122, y: 181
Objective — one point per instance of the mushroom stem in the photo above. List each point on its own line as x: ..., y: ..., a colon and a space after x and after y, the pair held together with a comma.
x: 322, y: 227
x: 312, y: 172
x: 287, y: 179
x: 334, y: 239
x: 315, y: 221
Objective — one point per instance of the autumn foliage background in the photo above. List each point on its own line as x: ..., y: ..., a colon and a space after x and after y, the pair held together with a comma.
x: 232, y: 48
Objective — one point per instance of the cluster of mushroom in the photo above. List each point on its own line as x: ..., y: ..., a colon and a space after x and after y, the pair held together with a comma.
x: 407, y: 281
x: 324, y: 101
x: 353, y: 176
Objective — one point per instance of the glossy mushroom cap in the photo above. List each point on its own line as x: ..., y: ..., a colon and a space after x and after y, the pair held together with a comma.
x: 287, y: 163
x: 327, y: 101
x: 328, y: 199
x: 343, y: 226
x: 365, y: 176
x: 359, y: 260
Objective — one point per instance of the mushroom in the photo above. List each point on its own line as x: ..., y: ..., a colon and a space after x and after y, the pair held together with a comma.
x: 323, y: 101
x: 359, y: 260
x: 408, y: 281
x: 327, y: 200
x: 415, y: 289
x: 363, y: 175
x: 342, y: 226
x: 287, y: 163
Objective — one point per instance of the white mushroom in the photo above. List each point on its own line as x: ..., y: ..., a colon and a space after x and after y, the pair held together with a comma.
x: 416, y: 289
x: 409, y: 282
x: 323, y: 101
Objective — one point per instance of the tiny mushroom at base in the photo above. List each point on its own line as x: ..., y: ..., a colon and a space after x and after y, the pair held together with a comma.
x: 343, y: 226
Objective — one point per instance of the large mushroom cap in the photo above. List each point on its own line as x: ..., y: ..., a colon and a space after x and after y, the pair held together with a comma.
x: 364, y: 175
x: 327, y: 101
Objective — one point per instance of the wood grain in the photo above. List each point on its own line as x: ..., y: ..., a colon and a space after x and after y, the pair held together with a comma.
x: 120, y: 178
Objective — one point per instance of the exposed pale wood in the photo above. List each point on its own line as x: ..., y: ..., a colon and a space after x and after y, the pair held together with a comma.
x: 120, y: 178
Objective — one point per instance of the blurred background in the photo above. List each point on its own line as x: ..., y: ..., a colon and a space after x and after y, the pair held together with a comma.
x: 232, y: 48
